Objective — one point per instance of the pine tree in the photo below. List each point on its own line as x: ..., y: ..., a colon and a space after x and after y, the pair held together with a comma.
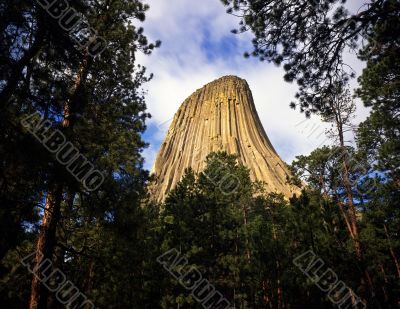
x: 93, y: 99
x: 310, y: 38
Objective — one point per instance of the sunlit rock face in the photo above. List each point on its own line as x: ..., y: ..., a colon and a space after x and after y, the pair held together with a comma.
x: 221, y: 116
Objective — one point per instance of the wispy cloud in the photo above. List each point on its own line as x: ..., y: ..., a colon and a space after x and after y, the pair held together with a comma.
x: 197, y: 47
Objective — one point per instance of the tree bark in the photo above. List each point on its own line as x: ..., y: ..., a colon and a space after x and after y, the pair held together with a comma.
x: 279, y: 290
x: 386, y: 282
x: 392, y: 253
x: 266, y: 296
x: 245, y: 220
x: 47, y: 238
x: 351, y: 214
x: 45, y: 244
x: 70, y: 105
x: 88, y: 284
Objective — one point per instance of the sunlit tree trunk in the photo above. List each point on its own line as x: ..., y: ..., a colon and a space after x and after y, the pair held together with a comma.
x: 45, y: 244
x: 47, y: 237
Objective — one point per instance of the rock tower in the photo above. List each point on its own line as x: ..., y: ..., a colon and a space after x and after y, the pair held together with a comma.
x: 219, y: 116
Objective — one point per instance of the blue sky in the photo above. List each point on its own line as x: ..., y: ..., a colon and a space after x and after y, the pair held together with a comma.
x: 198, y: 47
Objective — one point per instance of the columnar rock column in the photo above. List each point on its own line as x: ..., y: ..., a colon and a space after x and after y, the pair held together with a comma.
x: 219, y: 116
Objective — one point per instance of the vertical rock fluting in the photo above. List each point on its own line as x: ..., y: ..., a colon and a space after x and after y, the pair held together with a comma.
x: 219, y: 116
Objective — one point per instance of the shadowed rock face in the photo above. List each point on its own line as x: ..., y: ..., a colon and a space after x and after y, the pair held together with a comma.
x: 219, y: 116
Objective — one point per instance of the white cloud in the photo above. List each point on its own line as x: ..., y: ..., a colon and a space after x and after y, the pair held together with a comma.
x: 182, y: 65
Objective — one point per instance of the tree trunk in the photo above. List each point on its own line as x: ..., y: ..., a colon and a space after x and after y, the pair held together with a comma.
x: 351, y: 215
x: 279, y: 290
x: 266, y: 296
x: 245, y: 220
x: 45, y: 244
x: 352, y: 209
x: 392, y: 253
x: 70, y: 105
x: 59, y: 254
x: 51, y: 216
x: 88, y: 284
x: 386, y: 283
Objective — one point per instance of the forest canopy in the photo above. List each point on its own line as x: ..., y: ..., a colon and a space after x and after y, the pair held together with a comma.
x: 79, y: 227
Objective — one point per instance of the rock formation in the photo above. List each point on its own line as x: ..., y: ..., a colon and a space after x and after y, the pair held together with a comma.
x: 219, y: 116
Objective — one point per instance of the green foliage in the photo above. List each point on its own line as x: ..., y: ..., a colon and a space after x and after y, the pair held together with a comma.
x: 206, y: 225
x: 379, y: 136
x: 310, y: 38
x: 44, y: 71
x: 245, y: 243
x: 240, y: 238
